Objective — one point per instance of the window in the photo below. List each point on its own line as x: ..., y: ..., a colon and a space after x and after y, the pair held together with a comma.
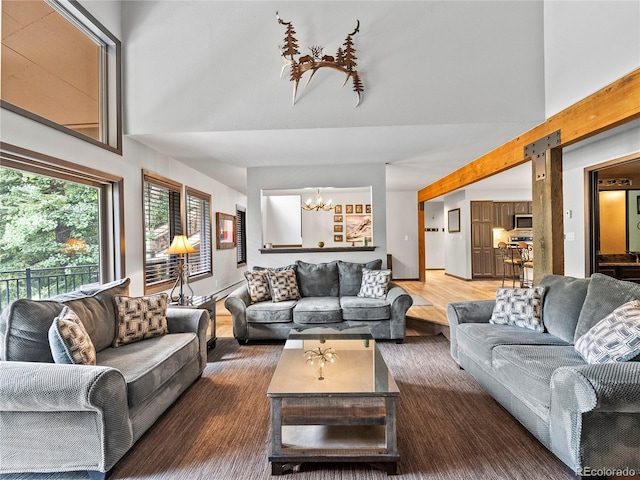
x: 62, y: 68
x: 61, y: 226
x: 199, y: 232
x: 162, y: 221
x: 241, y: 235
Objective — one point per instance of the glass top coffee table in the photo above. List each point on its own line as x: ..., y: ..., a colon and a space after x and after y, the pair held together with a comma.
x: 342, y: 411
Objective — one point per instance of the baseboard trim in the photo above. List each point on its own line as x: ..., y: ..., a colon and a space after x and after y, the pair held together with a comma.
x: 458, y: 277
x: 405, y: 279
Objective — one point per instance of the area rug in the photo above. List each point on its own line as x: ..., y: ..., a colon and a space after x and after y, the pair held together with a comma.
x: 448, y: 428
x: 419, y: 301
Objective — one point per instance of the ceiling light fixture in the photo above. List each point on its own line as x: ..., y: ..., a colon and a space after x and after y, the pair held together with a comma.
x: 319, y: 205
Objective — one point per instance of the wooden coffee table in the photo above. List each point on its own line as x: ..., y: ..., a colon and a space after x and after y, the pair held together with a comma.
x: 348, y: 416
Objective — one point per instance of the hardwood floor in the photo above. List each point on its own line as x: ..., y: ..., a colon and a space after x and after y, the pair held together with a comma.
x: 439, y: 289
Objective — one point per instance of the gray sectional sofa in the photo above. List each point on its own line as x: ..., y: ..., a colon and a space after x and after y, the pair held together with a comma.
x: 587, y: 414
x: 329, y: 296
x: 67, y: 417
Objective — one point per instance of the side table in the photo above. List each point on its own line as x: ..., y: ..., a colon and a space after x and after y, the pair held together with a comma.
x: 208, y: 303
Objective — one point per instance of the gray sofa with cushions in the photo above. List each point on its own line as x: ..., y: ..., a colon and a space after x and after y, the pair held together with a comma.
x: 587, y: 414
x: 329, y: 296
x: 68, y: 417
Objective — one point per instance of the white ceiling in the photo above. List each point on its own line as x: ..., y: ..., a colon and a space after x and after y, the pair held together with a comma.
x: 445, y: 82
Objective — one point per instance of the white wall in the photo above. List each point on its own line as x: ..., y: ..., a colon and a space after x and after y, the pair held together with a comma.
x: 434, y: 216
x: 402, y: 233
x: 341, y: 176
x: 282, y: 221
x: 457, y: 246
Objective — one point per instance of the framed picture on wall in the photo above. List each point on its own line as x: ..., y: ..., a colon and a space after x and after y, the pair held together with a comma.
x: 226, y: 231
x: 337, y: 218
x: 358, y: 227
x: 338, y: 238
x: 367, y: 208
x: 338, y: 209
x: 453, y: 220
x: 337, y: 228
x: 638, y: 204
x: 348, y: 208
x: 358, y: 208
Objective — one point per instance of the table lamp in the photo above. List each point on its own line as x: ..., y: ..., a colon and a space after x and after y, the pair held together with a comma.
x: 179, y: 246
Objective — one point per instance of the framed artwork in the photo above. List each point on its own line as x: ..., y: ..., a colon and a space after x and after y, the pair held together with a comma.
x: 359, y: 208
x: 338, y: 238
x: 453, y: 217
x: 338, y: 209
x: 348, y: 208
x: 367, y: 208
x: 358, y: 227
x: 337, y: 218
x: 638, y: 204
x: 226, y: 231
x: 337, y: 228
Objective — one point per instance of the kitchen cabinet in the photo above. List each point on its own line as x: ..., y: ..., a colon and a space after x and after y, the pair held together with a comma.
x: 482, y: 240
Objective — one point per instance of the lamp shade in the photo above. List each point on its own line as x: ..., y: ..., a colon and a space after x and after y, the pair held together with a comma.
x: 180, y: 245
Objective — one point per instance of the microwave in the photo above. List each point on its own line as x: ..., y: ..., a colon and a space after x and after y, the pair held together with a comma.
x: 523, y: 221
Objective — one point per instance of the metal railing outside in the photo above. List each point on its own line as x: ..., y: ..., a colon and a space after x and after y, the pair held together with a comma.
x: 39, y: 283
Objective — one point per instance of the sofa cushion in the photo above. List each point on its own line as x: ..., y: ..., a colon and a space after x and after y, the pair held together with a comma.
x: 604, y: 295
x: 147, y: 365
x: 521, y: 307
x: 563, y: 299
x: 477, y: 340
x: 283, y: 285
x: 615, y: 338
x: 139, y: 318
x: 358, y: 308
x: 318, y: 279
x: 350, y: 275
x: 271, y: 312
x: 526, y: 370
x: 375, y: 283
x: 24, y: 324
x: 317, y: 310
x: 69, y: 341
x: 258, y: 285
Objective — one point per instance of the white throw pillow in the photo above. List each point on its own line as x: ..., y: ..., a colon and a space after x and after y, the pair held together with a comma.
x: 375, y: 283
x: 521, y: 307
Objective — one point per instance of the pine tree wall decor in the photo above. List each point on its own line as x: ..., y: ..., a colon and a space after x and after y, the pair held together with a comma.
x: 344, y: 60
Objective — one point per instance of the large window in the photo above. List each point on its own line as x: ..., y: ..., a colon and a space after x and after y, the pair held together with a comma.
x: 162, y: 221
x: 199, y: 232
x: 62, y: 68
x: 241, y: 235
x: 61, y: 226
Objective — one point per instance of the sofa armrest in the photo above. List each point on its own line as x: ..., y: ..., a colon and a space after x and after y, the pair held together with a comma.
x: 237, y: 303
x: 400, y: 301
x: 476, y: 311
x: 595, y: 415
x: 42, y: 404
x: 183, y: 320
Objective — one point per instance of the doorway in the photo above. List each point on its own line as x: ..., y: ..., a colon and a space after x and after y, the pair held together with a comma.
x: 613, y: 246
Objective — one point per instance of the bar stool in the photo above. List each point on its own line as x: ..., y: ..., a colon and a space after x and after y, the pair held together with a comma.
x: 526, y: 255
x: 510, y: 261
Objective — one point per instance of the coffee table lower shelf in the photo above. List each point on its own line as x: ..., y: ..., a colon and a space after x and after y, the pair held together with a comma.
x: 333, y: 443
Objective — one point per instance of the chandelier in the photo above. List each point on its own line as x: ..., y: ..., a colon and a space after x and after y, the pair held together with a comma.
x: 319, y: 205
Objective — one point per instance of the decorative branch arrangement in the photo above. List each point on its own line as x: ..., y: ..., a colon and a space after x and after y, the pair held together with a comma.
x: 322, y: 356
x: 344, y: 60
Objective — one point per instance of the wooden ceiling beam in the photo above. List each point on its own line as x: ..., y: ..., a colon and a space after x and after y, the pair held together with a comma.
x: 609, y: 107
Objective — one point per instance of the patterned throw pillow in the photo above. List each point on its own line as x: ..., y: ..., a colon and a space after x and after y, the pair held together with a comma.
x: 283, y: 285
x: 258, y: 285
x: 69, y: 341
x: 375, y: 283
x: 521, y: 307
x: 140, y: 317
x: 615, y: 338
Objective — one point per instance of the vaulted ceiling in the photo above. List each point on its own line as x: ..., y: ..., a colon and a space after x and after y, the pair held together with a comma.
x: 444, y: 82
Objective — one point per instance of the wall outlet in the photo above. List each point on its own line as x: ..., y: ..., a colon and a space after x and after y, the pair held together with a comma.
x: 570, y: 237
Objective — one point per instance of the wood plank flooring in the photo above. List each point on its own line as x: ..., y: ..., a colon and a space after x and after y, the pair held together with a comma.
x: 439, y: 289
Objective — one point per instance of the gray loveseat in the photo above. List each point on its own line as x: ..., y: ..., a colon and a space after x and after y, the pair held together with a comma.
x: 329, y: 297
x: 64, y: 417
x: 588, y: 415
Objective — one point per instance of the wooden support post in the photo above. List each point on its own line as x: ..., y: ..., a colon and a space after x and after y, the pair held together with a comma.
x: 548, y: 218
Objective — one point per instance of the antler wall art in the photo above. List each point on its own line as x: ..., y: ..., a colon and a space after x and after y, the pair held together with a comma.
x: 344, y: 60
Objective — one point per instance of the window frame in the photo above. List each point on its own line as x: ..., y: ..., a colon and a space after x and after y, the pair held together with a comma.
x: 241, y: 235
x: 110, y: 80
x: 163, y: 182
x: 208, y: 219
x: 111, y: 200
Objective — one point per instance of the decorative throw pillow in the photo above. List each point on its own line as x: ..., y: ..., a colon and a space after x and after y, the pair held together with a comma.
x: 140, y: 317
x: 521, y: 307
x: 375, y: 283
x: 258, y: 285
x: 69, y: 341
x: 283, y: 285
x: 615, y: 338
